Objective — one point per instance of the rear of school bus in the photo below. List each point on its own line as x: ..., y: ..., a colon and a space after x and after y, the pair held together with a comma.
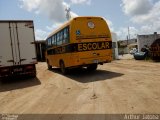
x: 92, y: 39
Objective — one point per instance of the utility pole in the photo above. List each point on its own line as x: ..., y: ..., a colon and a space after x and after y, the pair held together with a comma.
x: 127, y: 39
x: 128, y: 33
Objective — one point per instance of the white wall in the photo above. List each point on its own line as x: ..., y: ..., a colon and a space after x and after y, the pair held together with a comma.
x: 114, y: 39
x: 143, y: 40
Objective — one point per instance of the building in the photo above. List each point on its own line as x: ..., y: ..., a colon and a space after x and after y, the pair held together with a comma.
x: 114, y: 46
x: 40, y: 49
x: 146, y: 40
x: 125, y: 46
x: 155, y: 50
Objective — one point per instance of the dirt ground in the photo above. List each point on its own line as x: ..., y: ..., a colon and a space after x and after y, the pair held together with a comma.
x: 123, y: 86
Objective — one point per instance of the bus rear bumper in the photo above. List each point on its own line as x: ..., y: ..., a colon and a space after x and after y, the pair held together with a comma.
x: 84, y: 62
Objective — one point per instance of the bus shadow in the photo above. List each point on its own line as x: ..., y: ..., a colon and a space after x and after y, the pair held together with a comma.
x: 84, y: 76
x: 14, y: 83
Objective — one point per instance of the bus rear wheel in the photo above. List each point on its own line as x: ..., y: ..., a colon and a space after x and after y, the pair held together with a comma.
x: 63, y: 68
x: 92, y: 67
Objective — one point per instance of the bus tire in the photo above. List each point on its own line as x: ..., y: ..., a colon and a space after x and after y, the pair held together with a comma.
x: 48, y: 65
x: 92, y: 67
x: 62, y: 67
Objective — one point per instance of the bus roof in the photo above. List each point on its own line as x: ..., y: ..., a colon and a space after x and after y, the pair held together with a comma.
x: 68, y: 22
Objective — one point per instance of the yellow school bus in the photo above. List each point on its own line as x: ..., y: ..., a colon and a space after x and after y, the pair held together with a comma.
x: 81, y: 42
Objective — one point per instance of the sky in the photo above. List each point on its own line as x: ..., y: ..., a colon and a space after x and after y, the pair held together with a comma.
x: 137, y: 16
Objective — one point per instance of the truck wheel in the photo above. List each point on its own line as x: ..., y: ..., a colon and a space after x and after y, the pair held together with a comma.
x: 92, y: 67
x: 62, y: 67
x: 34, y: 75
x: 49, y: 66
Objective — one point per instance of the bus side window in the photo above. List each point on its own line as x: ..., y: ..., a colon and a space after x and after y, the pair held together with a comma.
x: 49, y: 42
x: 58, y: 38
x: 61, y: 37
x: 50, y: 39
x: 53, y: 42
x: 66, y: 35
x: 55, y: 39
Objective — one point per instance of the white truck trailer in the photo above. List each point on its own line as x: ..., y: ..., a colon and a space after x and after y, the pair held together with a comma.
x: 17, y: 48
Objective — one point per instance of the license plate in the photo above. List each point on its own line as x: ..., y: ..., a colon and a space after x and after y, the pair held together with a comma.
x: 95, y: 61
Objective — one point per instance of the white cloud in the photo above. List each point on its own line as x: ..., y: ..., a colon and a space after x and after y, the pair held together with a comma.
x: 152, y: 16
x: 145, y: 13
x: 30, y: 4
x: 81, y: 2
x: 122, y: 33
x: 53, y: 27
x: 136, y: 7
x: 41, y: 34
x: 73, y: 15
x: 53, y: 9
x: 110, y: 24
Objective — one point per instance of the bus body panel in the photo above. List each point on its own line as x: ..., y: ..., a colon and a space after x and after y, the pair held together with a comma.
x: 81, y: 31
x: 67, y: 57
x: 78, y: 60
x: 100, y: 33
